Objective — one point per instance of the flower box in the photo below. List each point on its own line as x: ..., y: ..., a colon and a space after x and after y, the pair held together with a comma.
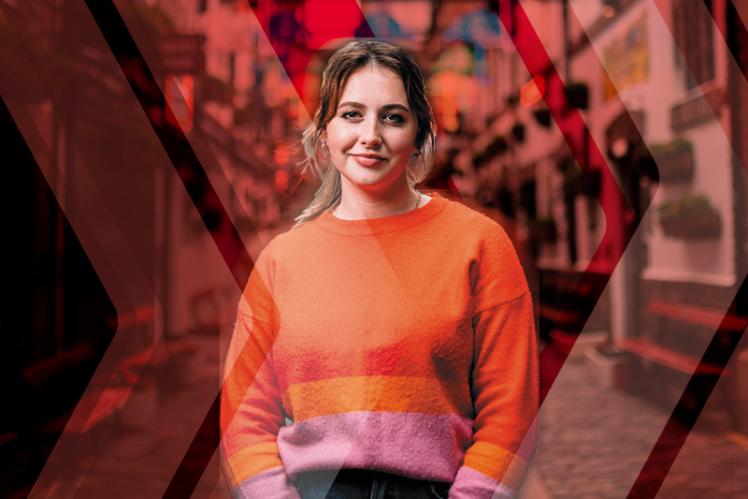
x: 692, y: 217
x: 675, y: 161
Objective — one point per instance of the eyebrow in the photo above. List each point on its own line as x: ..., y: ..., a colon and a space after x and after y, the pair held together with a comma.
x: 384, y: 108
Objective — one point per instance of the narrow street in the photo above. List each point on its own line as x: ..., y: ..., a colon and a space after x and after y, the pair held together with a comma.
x: 594, y: 441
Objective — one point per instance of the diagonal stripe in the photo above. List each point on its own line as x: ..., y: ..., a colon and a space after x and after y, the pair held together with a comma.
x: 699, y: 387
x: 135, y: 290
x: 574, y: 130
x: 105, y: 238
x: 692, y: 401
x: 294, y: 57
x: 718, y: 352
x: 325, y: 21
x: 739, y: 81
x: 188, y: 168
x: 171, y: 137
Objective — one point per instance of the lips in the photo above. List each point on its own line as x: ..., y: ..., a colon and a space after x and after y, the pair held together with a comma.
x: 368, y: 159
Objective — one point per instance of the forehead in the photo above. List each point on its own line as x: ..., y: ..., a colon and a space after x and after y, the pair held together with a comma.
x: 374, y: 86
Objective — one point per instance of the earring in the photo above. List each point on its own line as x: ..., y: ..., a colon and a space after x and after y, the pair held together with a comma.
x: 325, y: 151
x: 414, y: 157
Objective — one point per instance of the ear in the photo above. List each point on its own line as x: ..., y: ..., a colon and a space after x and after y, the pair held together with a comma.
x: 322, y: 151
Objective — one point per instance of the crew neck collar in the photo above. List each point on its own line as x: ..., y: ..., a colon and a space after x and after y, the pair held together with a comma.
x: 380, y: 225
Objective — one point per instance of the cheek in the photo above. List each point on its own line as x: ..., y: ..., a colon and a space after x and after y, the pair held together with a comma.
x: 339, y: 138
x: 403, y: 143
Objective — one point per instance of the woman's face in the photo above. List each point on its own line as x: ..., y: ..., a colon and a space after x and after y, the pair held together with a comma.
x: 372, y: 134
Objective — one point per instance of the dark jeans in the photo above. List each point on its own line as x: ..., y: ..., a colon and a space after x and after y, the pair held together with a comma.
x: 366, y: 484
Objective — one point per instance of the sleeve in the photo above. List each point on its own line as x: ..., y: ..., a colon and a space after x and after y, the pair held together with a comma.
x: 251, y: 408
x: 504, y: 379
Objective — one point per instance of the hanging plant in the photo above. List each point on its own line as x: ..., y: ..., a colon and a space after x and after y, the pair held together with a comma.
x: 691, y: 217
x: 578, y: 181
x: 582, y: 182
x: 644, y: 163
x: 512, y: 100
x: 577, y: 95
x: 518, y: 132
x: 565, y: 164
x: 480, y: 160
x: 675, y: 161
x: 543, y: 230
x: 589, y: 183
x: 498, y: 145
x: 543, y: 117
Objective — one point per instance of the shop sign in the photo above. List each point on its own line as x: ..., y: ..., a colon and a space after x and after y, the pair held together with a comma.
x: 697, y: 110
x: 626, y: 59
x: 183, y: 53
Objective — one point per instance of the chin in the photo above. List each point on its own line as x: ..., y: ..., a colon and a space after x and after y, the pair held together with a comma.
x: 370, y: 178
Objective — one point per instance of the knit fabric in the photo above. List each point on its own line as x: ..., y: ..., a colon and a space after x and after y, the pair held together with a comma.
x: 403, y: 344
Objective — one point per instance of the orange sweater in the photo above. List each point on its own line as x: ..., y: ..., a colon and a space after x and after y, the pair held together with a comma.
x: 403, y: 344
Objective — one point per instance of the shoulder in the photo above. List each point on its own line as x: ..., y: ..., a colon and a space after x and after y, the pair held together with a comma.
x: 475, y: 223
x: 285, y: 245
x: 496, y: 272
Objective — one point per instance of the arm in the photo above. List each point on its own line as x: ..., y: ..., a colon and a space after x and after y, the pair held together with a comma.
x: 505, y: 380
x: 251, y: 409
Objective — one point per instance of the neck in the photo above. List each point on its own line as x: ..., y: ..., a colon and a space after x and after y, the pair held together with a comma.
x: 358, y: 204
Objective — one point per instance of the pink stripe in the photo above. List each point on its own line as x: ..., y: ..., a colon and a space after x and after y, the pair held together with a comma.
x: 422, y: 446
x: 471, y: 484
x: 271, y: 483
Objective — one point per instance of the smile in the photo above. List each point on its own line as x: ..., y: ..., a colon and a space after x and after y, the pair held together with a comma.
x: 368, y: 160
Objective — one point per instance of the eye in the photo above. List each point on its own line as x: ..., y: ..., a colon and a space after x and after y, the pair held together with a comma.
x: 393, y: 118
x: 349, y: 115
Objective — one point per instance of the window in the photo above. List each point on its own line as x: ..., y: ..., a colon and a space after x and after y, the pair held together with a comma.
x: 694, y: 42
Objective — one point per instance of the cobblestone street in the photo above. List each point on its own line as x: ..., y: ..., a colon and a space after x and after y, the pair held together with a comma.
x: 594, y: 441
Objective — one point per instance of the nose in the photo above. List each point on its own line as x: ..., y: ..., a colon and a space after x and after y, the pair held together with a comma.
x: 370, y: 136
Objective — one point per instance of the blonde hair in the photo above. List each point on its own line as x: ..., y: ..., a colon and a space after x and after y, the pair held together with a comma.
x: 342, y: 64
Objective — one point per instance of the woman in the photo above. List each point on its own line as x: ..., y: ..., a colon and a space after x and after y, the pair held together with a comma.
x: 385, y: 346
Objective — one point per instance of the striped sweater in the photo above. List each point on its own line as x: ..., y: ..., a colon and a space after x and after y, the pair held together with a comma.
x: 403, y: 344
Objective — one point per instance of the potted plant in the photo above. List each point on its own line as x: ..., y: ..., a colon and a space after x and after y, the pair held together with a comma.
x: 577, y: 95
x: 542, y: 116
x: 691, y: 217
x: 611, y: 365
x: 518, y: 132
x: 675, y: 160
